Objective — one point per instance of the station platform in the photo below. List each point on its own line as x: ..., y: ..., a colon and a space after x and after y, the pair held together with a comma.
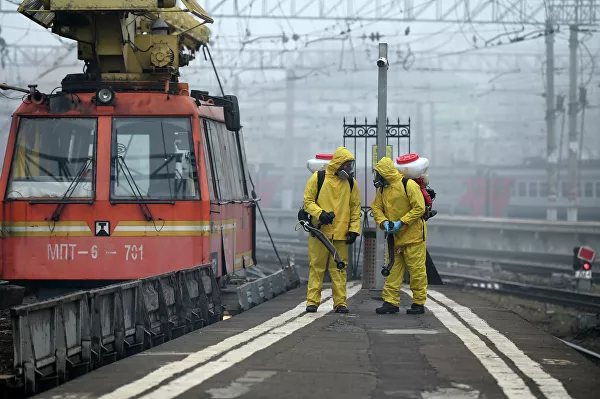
x: 462, y: 347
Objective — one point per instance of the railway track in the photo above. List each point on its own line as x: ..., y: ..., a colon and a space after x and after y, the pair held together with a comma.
x: 475, y: 263
x: 572, y: 299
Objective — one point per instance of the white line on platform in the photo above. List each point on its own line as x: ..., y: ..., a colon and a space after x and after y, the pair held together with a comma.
x: 167, y: 371
x: 203, y: 373
x: 550, y: 387
x: 511, y: 384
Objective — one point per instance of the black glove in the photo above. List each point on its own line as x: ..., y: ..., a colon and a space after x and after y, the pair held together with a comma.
x: 326, y: 217
x: 351, y: 237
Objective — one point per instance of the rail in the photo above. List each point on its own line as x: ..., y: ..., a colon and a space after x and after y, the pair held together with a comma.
x: 593, y: 356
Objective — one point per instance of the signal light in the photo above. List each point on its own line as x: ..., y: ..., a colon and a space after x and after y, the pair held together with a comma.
x: 583, y: 257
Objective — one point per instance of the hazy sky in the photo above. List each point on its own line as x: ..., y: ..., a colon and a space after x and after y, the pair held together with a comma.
x: 508, y: 102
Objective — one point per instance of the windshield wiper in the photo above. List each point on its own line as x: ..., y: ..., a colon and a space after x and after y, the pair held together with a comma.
x: 134, y: 187
x: 70, y: 190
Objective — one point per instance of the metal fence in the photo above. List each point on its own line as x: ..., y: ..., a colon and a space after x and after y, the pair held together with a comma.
x: 361, y: 140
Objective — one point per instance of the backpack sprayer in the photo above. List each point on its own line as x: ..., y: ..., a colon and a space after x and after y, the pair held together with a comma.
x: 314, y: 230
x: 318, y: 164
x: 414, y: 167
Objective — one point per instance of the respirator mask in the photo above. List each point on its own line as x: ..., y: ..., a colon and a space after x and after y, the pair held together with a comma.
x: 346, y: 171
x: 378, y: 180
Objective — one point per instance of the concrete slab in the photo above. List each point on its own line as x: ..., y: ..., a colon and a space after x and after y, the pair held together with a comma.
x: 456, y: 350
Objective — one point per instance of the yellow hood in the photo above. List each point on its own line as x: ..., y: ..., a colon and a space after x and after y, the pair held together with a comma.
x: 387, y: 170
x: 397, y: 202
x: 340, y: 156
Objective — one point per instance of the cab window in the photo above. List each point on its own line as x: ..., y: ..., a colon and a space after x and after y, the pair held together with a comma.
x: 153, y: 158
x: 54, y: 159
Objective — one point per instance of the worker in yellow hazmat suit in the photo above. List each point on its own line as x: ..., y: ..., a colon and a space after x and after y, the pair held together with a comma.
x: 400, y: 211
x: 339, y: 194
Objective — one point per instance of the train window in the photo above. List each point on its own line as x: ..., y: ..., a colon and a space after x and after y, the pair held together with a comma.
x: 54, y: 158
x: 153, y: 158
x: 236, y: 169
x: 221, y: 182
x: 533, y: 189
x: 522, y: 189
x: 211, y: 177
x: 226, y: 161
x: 230, y: 161
x: 588, y: 189
x: 564, y: 189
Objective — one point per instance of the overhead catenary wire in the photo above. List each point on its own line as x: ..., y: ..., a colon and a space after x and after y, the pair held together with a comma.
x: 348, y: 24
x: 388, y: 7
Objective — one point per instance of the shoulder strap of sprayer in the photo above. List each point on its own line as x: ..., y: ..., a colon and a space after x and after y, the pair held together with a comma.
x: 321, y: 179
x: 404, y: 183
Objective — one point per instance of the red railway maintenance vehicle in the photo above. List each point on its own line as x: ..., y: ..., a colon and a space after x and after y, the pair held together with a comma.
x: 124, y: 172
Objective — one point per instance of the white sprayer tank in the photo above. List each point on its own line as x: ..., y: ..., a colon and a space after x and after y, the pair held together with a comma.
x: 319, y: 162
x: 412, y: 165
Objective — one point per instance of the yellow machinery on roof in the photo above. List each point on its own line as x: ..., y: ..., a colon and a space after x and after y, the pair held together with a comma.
x: 135, y: 40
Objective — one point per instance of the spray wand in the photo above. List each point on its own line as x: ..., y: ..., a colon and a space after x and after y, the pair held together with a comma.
x: 321, y: 237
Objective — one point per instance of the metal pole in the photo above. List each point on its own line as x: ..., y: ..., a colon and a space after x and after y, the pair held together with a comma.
x: 382, y: 64
x: 573, y: 142
x: 551, y: 149
x: 432, y: 138
x: 287, y: 189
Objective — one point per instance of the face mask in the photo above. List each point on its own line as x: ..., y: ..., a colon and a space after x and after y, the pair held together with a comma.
x: 379, y: 181
x: 346, y: 171
x: 426, y: 179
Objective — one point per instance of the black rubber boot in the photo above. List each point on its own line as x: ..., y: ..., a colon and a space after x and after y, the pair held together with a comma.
x: 341, y: 309
x: 387, y: 308
x: 311, y: 308
x: 415, y: 309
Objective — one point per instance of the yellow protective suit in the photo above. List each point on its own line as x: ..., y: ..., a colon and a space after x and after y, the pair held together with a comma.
x: 335, y: 195
x: 396, y: 204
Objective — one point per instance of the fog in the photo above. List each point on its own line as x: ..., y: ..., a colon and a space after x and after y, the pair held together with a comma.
x: 474, y: 92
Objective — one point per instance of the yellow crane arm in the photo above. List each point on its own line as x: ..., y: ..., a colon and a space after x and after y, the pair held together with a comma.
x: 126, y: 38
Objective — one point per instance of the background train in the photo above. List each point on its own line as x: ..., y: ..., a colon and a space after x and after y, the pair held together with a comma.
x: 517, y: 191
